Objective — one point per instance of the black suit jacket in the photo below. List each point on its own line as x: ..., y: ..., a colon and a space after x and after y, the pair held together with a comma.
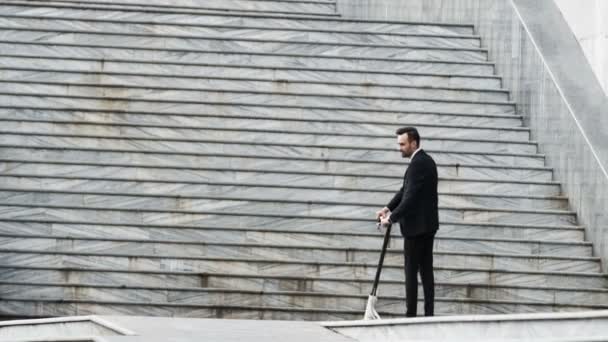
x: 415, y: 206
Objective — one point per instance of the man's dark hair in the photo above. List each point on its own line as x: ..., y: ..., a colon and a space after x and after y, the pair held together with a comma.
x: 412, y: 134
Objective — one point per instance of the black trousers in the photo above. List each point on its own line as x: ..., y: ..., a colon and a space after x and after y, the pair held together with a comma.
x: 419, y: 257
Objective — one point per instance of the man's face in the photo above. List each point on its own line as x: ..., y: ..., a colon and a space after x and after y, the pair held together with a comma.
x: 406, y: 147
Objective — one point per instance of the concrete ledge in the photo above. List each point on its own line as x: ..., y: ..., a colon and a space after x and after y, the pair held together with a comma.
x: 69, y: 329
x: 63, y: 339
x: 499, y: 327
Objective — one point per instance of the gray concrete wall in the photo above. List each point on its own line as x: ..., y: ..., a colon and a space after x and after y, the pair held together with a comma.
x: 548, y: 75
x: 587, y: 18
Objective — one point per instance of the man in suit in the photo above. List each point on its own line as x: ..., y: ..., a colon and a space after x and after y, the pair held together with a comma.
x: 415, y: 207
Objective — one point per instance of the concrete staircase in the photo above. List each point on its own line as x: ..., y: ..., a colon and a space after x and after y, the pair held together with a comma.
x: 225, y: 159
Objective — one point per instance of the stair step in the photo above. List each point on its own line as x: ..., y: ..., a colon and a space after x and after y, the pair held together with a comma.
x: 363, y: 236
x: 273, y: 135
x: 332, y: 125
x: 215, y: 297
x: 452, y: 165
x: 58, y: 308
x: 522, y: 255
x: 83, y: 11
x: 437, y: 126
x: 149, y: 41
x: 284, y: 65
x: 291, y: 7
x: 221, y: 191
x: 210, y: 97
x: 131, y: 279
x: 290, y: 85
x: 48, y: 308
x: 196, y: 267
x: 287, y: 151
x: 242, y: 32
x: 453, y: 178
x: 136, y: 210
x: 525, y: 231
x: 55, y: 308
x: 555, y: 295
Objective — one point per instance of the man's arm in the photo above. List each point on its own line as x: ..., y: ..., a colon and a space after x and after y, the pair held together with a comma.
x: 396, y: 200
x: 415, y: 181
x: 380, y: 215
